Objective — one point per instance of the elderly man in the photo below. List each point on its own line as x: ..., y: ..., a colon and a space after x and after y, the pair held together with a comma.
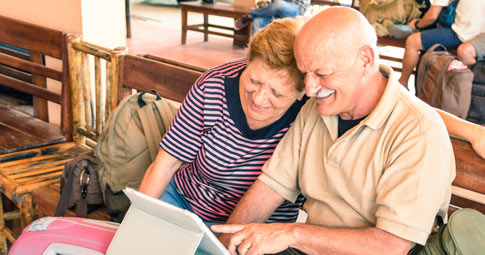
x: 374, y: 162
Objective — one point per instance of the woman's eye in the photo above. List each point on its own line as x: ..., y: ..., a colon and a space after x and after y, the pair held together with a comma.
x: 276, y: 94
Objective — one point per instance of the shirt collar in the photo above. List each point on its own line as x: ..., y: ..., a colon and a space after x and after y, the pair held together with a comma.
x: 381, y: 112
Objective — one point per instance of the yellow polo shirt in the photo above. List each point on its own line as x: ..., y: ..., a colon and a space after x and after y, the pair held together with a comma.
x: 392, y: 171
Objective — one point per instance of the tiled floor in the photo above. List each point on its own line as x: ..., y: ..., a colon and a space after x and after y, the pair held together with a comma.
x: 156, y: 29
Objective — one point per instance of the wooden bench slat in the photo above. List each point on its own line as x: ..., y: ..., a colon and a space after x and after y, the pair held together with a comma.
x: 31, y: 37
x: 30, y: 67
x: 30, y: 89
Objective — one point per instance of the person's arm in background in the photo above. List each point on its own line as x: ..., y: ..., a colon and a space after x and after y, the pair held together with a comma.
x: 159, y: 174
x: 465, y: 130
x: 428, y: 19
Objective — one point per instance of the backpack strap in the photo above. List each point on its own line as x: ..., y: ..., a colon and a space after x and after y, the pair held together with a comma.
x: 150, y: 128
x: 167, y: 112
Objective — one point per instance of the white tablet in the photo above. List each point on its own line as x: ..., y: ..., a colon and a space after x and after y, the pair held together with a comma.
x: 152, y: 226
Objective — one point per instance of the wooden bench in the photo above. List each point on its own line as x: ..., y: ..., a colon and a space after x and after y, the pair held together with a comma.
x: 28, y: 73
x: 37, y: 161
x: 240, y: 37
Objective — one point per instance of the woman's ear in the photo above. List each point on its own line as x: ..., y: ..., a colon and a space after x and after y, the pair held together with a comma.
x: 300, y: 95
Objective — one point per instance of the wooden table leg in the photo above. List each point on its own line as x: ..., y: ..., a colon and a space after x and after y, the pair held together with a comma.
x: 206, y: 27
x: 184, y: 25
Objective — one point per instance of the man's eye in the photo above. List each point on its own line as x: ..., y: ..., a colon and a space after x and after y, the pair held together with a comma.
x: 255, y: 82
x: 322, y: 76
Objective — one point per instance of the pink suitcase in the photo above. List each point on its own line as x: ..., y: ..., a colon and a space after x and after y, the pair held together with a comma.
x: 65, y: 235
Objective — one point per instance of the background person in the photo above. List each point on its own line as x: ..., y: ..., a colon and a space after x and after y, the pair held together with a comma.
x: 276, y: 9
x: 469, y: 22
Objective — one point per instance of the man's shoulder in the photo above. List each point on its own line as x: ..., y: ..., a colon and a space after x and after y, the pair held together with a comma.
x: 416, y: 112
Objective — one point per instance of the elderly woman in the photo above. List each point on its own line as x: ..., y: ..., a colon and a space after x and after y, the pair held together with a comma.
x: 227, y: 128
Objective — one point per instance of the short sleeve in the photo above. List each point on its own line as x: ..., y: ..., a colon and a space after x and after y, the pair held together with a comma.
x: 416, y: 184
x: 184, y: 137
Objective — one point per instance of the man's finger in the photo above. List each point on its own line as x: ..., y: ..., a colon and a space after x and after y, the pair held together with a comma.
x: 227, y: 228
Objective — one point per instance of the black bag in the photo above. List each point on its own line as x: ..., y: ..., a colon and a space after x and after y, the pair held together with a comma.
x: 80, y: 186
x: 476, y: 113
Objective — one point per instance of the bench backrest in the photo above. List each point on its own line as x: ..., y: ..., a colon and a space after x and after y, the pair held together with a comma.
x: 26, y: 72
x: 171, y: 79
x: 468, y: 189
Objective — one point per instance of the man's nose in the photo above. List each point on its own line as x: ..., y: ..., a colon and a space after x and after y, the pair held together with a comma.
x: 311, y: 85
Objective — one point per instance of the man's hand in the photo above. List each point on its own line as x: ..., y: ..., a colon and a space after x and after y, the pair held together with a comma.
x: 257, y: 238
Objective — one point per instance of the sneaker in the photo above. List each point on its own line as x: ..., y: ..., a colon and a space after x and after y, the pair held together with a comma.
x: 399, y: 31
x: 242, y: 22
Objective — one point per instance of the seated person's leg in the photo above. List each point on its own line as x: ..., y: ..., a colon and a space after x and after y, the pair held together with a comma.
x: 276, y: 9
x: 423, y: 41
x: 466, y: 53
x: 411, y: 57
x: 473, y: 50
x: 260, y: 22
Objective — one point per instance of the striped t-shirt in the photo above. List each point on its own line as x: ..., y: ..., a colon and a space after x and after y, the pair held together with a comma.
x: 222, y: 155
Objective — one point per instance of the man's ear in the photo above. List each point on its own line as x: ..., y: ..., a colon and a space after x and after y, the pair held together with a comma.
x: 368, y: 57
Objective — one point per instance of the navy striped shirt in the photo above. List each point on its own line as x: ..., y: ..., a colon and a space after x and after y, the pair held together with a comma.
x: 222, y: 155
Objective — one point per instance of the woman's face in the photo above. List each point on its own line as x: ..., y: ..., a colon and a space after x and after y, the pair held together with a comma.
x: 266, y: 94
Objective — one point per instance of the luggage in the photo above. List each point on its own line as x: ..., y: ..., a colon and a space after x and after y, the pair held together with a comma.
x: 442, y: 87
x: 79, y: 186
x: 65, y: 235
x: 128, y: 145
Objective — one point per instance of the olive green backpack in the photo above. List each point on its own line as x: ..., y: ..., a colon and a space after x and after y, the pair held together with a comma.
x: 464, y: 234
x: 128, y: 144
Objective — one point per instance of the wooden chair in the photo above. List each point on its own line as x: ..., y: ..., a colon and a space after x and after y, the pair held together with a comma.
x: 93, y: 102
x: 27, y: 72
x: 24, y: 171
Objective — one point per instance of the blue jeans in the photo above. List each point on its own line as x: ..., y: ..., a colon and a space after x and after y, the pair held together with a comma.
x: 171, y: 196
x: 276, y: 9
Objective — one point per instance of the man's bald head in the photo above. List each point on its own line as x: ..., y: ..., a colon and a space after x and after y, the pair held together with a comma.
x: 336, y: 33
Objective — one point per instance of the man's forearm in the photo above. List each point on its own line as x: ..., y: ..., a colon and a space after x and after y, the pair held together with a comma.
x: 313, y: 239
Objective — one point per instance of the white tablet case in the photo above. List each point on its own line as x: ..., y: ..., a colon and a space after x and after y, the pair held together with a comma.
x: 152, y: 226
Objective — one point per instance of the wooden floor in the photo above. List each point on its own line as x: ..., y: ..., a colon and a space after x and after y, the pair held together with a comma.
x: 156, y: 30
